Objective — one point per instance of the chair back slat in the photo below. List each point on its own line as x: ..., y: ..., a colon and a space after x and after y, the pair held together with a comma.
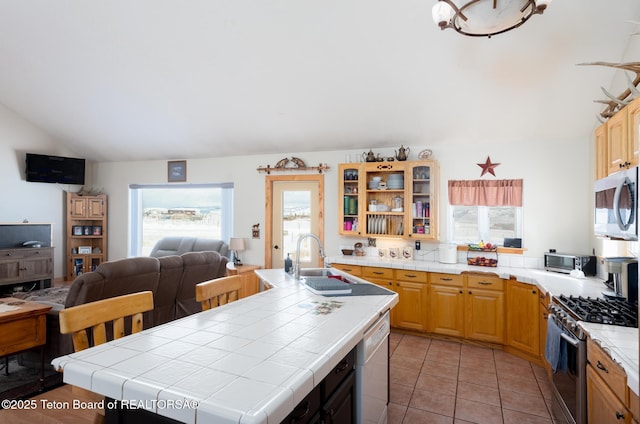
x: 94, y: 315
x: 219, y: 291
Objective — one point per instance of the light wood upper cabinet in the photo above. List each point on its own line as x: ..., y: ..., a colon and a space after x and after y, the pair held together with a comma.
x: 406, y: 206
x: 349, y: 189
x: 602, y: 163
x: 633, y: 121
x: 523, y: 327
x: 620, y: 136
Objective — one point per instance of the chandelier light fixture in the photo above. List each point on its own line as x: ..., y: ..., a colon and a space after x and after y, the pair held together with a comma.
x: 484, y: 18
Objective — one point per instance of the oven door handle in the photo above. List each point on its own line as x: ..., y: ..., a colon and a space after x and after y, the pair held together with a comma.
x: 573, y: 342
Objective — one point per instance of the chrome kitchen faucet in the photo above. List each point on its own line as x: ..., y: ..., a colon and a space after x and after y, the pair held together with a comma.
x: 302, y: 237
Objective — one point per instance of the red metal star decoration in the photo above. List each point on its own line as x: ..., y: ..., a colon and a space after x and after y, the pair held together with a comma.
x: 488, y: 167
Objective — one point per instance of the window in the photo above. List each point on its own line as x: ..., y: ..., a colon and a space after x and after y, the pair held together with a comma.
x: 194, y: 210
x: 489, y: 210
x: 470, y: 224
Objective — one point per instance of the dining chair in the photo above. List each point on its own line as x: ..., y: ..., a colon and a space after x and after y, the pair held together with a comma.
x: 219, y: 291
x: 93, y: 316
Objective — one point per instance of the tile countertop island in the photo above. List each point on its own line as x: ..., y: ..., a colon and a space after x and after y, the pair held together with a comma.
x: 620, y: 342
x: 251, y: 361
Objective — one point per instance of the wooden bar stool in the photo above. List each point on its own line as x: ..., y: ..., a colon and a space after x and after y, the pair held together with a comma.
x: 93, y: 316
x: 218, y: 291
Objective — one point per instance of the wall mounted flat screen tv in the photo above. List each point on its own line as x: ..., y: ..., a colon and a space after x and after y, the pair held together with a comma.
x: 54, y: 169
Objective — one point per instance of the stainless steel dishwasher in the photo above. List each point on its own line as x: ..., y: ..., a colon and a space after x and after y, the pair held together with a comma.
x: 372, y: 373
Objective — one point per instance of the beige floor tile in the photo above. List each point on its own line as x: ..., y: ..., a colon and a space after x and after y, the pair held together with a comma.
x: 438, y: 381
x: 451, y: 358
x: 433, y: 402
x: 404, y: 376
x: 437, y: 384
x: 515, y: 417
x: 395, y: 413
x: 418, y: 416
x: 533, y: 405
x: 476, y: 412
x: 441, y: 369
x: 469, y: 361
x: 478, y: 376
x: 400, y: 394
x: 527, y: 386
x: 410, y: 362
x: 411, y: 350
x: 477, y: 393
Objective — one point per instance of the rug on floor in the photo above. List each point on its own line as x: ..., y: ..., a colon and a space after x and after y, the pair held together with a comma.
x: 23, y: 380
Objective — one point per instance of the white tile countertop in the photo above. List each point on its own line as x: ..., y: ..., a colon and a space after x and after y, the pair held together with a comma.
x: 251, y: 361
x: 620, y: 342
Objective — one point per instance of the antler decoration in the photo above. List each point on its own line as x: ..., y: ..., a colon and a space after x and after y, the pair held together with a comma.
x: 614, y: 103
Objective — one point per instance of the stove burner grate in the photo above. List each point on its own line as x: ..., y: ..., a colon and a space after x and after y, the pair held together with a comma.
x: 603, y: 311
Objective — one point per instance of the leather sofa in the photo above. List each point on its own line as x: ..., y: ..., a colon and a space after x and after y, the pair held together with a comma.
x: 172, y: 279
x: 178, y: 245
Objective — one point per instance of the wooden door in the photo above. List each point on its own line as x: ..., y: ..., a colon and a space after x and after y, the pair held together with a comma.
x: 617, y: 142
x: 412, y: 302
x: 484, y: 315
x: 284, y: 223
x: 78, y: 207
x: 522, y: 317
x: 602, y: 404
x: 602, y: 169
x: 446, y: 310
x: 633, y: 121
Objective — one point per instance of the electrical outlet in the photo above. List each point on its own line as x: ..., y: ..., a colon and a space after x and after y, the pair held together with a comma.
x: 417, y: 244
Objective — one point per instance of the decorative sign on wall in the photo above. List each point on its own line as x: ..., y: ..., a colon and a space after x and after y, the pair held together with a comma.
x: 488, y: 166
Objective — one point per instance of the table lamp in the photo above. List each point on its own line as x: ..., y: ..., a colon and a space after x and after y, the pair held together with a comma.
x: 236, y: 245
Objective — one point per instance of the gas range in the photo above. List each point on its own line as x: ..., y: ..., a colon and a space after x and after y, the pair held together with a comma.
x: 599, y: 310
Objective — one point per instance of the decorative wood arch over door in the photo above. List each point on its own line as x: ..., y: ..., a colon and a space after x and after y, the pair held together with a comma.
x: 294, y: 204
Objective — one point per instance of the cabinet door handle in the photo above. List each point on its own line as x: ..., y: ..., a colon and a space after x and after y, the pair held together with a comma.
x: 446, y: 279
x: 485, y: 283
x: 602, y: 367
x: 411, y: 276
x: 470, y: 292
x: 619, y: 415
x: 534, y: 292
x: 378, y: 273
x: 307, y: 408
x: 545, y: 316
x: 461, y: 292
x: 342, y: 366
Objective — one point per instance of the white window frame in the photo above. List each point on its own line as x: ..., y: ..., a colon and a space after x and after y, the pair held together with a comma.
x: 135, y: 211
x: 483, y: 224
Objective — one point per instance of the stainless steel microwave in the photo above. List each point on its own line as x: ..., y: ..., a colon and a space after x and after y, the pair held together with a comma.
x: 567, y: 262
x: 616, y: 205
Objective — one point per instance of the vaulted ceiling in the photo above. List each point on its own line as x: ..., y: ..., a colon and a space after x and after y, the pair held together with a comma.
x: 161, y: 79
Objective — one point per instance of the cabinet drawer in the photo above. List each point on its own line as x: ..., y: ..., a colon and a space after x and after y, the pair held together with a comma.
x: 607, y: 369
x: 487, y: 283
x: 377, y: 272
x: 304, y: 412
x: 355, y: 270
x: 413, y: 276
x: 446, y: 279
x: 339, y: 372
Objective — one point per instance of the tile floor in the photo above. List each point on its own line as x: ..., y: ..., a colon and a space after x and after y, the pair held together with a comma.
x: 437, y: 381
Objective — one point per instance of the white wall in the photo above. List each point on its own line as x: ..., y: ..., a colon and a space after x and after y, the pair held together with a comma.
x: 22, y: 200
x: 556, y: 173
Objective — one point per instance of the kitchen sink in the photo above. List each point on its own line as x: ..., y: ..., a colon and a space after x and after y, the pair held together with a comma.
x: 316, y: 272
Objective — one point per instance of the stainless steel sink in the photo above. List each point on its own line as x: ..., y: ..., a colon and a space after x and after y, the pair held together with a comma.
x: 316, y: 272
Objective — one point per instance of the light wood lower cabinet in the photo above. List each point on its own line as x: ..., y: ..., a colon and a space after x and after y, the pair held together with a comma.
x: 355, y: 270
x: 523, y: 327
x: 484, y: 315
x: 446, y: 310
x: 603, y: 406
x: 411, y: 287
